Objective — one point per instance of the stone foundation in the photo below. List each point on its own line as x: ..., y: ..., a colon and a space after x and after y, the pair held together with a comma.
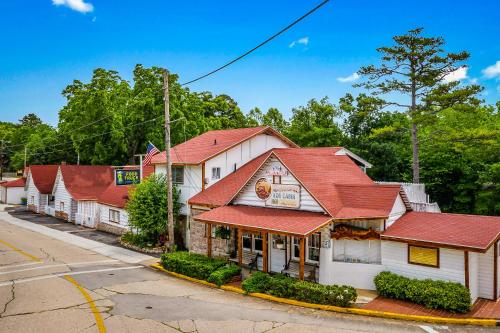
x: 220, y: 247
x: 112, y: 229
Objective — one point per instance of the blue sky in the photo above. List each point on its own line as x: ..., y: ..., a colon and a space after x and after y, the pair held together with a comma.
x: 45, y: 44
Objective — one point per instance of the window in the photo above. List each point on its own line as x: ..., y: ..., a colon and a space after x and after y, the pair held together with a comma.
x: 276, y: 179
x: 425, y: 256
x: 247, y: 242
x: 114, y: 216
x: 312, y: 246
x: 257, y: 243
x: 215, y: 173
x: 357, y: 251
x: 32, y: 199
x: 61, y: 206
x: 178, y: 175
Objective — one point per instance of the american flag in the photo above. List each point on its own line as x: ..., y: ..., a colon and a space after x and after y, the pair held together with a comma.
x: 152, y: 150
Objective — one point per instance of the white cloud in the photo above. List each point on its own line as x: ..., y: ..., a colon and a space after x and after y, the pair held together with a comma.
x: 492, y: 71
x: 457, y: 75
x: 78, y: 5
x: 304, y: 41
x: 351, y: 78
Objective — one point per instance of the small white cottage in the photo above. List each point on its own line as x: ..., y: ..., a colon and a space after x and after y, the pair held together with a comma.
x: 39, y: 183
x: 113, y: 217
x: 76, y: 190
x: 13, y: 191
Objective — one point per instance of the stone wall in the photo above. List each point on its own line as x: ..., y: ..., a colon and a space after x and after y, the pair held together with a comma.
x: 112, y: 229
x: 220, y: 247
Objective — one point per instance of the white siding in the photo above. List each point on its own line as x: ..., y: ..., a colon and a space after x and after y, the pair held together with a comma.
x: 87, y: 213
x: 104, y: 216
x: 32, y: 194
x: 248, y: 196
x: 190, y: 187
x: 62, y: 195
x: 451, y: 262
x: 473, y: 275
x: 12, y: 195
x: 485, y: 274
x: 397, y: 211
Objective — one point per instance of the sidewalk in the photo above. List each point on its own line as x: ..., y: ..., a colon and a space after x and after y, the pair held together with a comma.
x: 111, y: 251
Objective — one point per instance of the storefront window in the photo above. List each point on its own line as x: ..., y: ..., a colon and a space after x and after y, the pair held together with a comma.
x: 257, y: 243
x: 247, y: 242
x: 313, y: 245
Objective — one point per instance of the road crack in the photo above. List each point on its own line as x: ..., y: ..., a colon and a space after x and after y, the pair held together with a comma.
x: 12, y: 297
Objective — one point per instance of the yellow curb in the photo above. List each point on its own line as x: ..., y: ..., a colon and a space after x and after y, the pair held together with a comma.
x: 357, y: 311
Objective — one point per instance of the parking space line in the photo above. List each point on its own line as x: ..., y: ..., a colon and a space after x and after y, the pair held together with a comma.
x: 32, y: 257
x: 20, y: 265
x: 61, y: 265
x: 51, y: 276
x: 97, y: 315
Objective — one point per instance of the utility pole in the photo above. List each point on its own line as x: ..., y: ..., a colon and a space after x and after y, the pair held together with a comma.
x: 25, y: 155
x: 78, y: 159
x: 1, y: 160
x: 170, y: 214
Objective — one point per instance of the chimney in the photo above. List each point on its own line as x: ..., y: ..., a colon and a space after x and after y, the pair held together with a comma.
x: 215, y: 142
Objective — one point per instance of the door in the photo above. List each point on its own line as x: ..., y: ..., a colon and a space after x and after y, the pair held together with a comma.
x: 277, y: 253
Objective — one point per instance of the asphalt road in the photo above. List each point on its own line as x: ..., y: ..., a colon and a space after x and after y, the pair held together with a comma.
x: 47, y: 285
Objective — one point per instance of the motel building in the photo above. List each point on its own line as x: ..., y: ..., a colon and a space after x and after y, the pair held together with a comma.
x: 39, y: 184
x: 76, y: 191
x: 204, y: 160
x: 314, y: 214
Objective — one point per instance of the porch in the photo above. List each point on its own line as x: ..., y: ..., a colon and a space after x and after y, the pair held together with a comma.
x: 267, y: 239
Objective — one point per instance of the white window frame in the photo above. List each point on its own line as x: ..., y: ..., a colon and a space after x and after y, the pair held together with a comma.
x: 178, y: 170
x: 216, y: 172
x: 111, y: 215
x: 32, y: 199
x: 296, y: 243
x: 252, y: 238
x: 61, y: 206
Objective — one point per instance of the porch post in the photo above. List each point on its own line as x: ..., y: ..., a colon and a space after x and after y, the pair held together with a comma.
x: 209, y: 240
x: 264, y: 252
x: 240, y: 246
x: 302, y: 258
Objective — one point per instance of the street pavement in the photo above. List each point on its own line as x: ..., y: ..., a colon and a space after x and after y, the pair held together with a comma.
x: 48, y: 285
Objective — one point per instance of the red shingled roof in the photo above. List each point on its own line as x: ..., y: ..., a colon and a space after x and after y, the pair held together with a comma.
x: 293, y: 222
x: 87, y: 182
x: 473, y: 232
x: 212, y: 143
x: 335, y: 181
x: 20, y: 182
x: 116, y: 196
x: 43, y: 177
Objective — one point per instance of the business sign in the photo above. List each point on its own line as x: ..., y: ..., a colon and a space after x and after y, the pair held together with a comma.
x: 276, y: 169
x: 285, y: 196
x: 127, y: 177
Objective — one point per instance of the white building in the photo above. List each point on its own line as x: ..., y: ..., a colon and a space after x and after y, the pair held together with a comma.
x: 113, y: 217
x: 76, y: 191
x: 13, y: 191
x: 39, y: 184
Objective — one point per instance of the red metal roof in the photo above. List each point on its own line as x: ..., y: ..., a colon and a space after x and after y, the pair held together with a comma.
x: 116, y: 196
x: 87, y: 182
x: 19, y: 182
x: 293, y: 222
x: 212, y: 143
x: 456, y: 230
x: 335, y: 181
x: 43, y: 177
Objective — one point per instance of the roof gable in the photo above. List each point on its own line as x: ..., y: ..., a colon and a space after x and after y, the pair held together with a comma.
x: 43, y: 177
x: 86, y: 182
x: 212, y: 143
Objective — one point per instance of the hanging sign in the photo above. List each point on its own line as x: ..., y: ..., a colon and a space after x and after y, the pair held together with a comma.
x: 127, y: 177
x: 286, y: 196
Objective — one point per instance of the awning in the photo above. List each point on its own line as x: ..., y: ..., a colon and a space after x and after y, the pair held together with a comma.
x: 280, y: 221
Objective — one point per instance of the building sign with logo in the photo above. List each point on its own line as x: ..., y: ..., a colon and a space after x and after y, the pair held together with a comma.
x: 127, y: 177
x: 278, y: 195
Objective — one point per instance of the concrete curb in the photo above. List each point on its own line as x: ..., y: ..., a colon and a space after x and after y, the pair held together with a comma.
x: 114, y: 252
x: 362, y: 312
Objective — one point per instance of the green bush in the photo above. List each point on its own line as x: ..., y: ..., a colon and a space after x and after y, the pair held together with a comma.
x: 138, y: 240
x: 191, y: 264
x: 433, y: 294
x: 147, y: 208
x: 24, y: 201
x: 224, y: 274
x: 286, y: 287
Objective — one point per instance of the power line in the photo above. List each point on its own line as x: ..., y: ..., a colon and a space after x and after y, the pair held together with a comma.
x: 260, y: 45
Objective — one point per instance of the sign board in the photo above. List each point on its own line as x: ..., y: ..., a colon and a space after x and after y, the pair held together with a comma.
x: 127, y: 177
x: 276, y: 169
x: 285, y: 196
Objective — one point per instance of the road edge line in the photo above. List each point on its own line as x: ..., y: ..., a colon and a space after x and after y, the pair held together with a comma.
x: 331, y: 308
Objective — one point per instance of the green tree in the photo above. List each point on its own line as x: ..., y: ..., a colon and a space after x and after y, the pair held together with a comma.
x: 147, y: 209
x: 416, y: 68
x: 275, y: 119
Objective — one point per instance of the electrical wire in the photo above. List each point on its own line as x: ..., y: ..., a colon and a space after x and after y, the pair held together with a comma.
x: 258, y: 46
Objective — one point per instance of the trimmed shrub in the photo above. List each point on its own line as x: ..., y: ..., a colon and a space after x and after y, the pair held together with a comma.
x: 286, y: 287
x: 191, y: 264
x: 433, y: 294
x: 224, y: 274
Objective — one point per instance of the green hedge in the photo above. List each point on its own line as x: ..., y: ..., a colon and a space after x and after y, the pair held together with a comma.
x: 224, y: 274
x: 194, y: 265
x: 433, y: 294
x: 286, y: 287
